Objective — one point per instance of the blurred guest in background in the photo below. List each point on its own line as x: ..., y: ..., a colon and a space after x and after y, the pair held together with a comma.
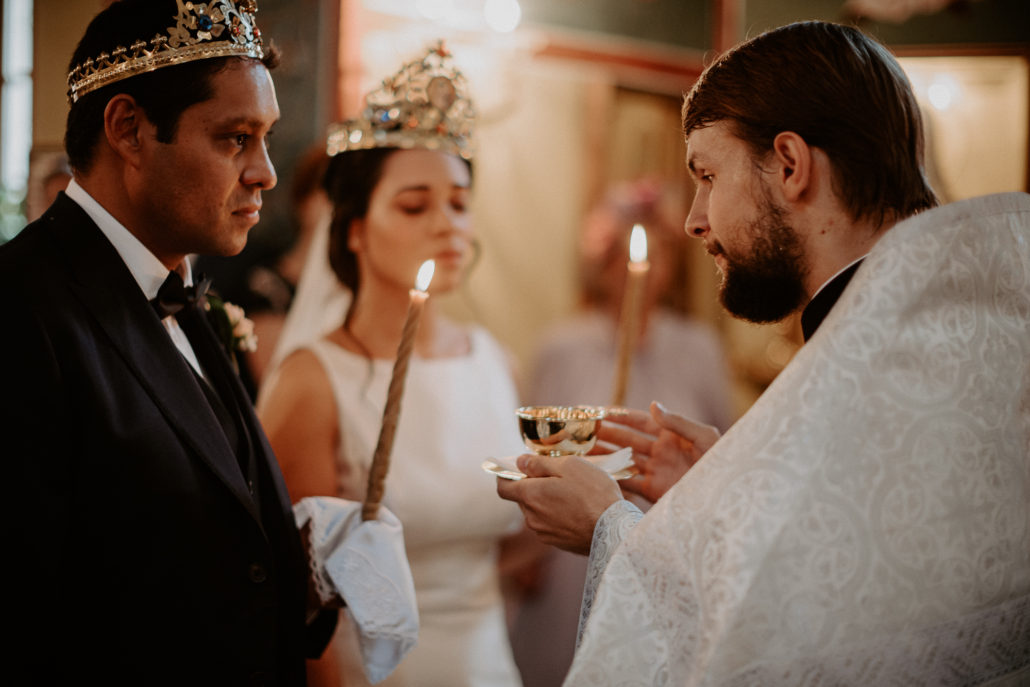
x: 575, y: 364
x: 576, y: 357
x: 52, y: 177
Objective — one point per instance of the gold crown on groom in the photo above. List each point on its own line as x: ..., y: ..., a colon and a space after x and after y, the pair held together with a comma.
x: 424, y: 105
x: 203, y: 30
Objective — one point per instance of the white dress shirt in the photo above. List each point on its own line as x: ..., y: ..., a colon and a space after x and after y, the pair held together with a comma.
x: 146, y: 269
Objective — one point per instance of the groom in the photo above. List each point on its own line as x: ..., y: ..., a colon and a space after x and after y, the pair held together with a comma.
x: 153, y: 541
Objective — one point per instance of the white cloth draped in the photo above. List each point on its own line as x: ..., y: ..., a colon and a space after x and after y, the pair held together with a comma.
x: 364, y: 564
x: 868, y: 520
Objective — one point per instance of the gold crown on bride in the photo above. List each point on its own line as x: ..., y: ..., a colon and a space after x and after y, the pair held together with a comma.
x: 424, y: 105
x: 203, y: 30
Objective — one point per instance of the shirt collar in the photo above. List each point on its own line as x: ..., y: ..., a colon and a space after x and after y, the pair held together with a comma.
x: 839, y: 272
x: 825, y: 298
x: 146, y: 269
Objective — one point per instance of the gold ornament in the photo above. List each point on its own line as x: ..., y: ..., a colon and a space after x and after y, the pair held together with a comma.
x: 424, y: 105
x: 203, y: 30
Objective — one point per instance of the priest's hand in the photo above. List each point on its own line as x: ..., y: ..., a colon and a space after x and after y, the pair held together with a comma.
x: 561, y: 498
x: 664, y: 445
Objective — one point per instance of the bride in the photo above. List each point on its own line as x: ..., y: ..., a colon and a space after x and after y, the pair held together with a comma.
x: 400, y: 180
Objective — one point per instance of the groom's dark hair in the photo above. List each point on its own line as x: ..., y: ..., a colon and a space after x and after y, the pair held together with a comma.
x: 163, y: 94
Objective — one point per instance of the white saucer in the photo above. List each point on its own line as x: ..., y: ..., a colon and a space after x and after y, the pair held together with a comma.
x: 618, y: 464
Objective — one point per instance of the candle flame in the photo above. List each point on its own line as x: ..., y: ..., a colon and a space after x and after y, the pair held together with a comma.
x: 638, y: 244
x: 425, y: 275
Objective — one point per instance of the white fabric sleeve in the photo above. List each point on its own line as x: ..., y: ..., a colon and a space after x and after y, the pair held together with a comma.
x: 612, y: 527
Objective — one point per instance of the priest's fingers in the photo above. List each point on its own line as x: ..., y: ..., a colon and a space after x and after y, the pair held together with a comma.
x: 563, y: 508
x: 535, y: 465
x: 639, y: 420
x: 701, y: 435
x: 639, y: 483
x: 531, y: 465
x: 624, y: 435
x: 654, y: 478
x: 679, y: 445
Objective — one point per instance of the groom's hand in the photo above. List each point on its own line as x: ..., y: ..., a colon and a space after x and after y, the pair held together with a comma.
x: 561, y: 498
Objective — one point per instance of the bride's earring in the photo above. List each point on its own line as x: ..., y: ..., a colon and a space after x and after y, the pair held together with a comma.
x: 354, y: 236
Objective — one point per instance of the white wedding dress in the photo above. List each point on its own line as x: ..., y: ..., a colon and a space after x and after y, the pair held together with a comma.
x: 455, y: 413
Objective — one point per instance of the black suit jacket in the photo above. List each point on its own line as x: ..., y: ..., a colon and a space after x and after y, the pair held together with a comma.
x: 138, y: 554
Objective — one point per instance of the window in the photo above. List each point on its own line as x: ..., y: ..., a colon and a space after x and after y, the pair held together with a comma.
x: 15, y: 115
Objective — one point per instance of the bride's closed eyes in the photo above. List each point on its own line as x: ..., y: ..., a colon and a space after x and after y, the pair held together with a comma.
x: 416, y: 201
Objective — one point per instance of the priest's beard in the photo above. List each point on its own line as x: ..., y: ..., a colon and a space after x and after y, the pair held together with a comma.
x: 766, y: 283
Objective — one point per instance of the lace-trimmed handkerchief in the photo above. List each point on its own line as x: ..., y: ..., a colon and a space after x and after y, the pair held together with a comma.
x: 364, y: 563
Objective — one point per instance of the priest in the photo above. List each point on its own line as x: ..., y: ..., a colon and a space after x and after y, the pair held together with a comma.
x: 868, y: 520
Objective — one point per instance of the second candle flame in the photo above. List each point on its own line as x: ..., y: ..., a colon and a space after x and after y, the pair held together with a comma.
x: 425, y: 275
x: 638, y: 244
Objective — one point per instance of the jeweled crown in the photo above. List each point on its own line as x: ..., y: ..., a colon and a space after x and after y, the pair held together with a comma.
x: 424, y: 105
x: 203, y: 30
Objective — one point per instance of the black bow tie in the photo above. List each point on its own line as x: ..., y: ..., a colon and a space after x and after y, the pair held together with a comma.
x: 173, y: 296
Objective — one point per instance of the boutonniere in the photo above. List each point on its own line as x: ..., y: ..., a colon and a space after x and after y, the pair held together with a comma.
x: 232, y: 327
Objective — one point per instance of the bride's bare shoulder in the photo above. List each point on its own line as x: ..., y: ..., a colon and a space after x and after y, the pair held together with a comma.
x: 300, y: 382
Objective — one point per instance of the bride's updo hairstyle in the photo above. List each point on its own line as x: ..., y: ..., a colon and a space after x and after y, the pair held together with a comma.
x: 349, y: 180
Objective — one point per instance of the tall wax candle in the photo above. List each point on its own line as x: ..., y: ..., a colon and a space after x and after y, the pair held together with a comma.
x: 392, y: 409
x: 629, y: 321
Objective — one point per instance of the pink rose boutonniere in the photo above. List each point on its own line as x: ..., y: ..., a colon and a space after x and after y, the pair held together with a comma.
x: 243, y: 336
x: 234, y: 330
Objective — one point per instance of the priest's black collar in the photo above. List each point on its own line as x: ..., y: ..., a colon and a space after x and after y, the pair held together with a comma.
x: 825, y: 298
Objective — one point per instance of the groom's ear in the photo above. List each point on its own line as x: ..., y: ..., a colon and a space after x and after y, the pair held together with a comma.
x: 123, y: 123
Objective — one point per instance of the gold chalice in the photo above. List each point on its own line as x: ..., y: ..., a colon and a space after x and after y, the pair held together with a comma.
x: 559, y: 430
